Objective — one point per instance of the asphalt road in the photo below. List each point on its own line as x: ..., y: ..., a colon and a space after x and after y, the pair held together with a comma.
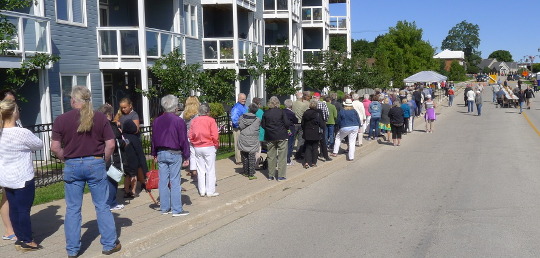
x: 470, y: 189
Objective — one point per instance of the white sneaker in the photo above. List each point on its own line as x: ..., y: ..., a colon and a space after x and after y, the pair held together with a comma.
x: 117, y: 207
x: 290, y: 163
x: 203, y: 194
x: 212, y: 194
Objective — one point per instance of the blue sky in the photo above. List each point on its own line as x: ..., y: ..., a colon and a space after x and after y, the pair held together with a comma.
x: 506, y: 25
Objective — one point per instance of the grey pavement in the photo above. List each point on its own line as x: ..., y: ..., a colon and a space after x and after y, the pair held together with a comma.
x: 143, y: 230
x: 470, y: 189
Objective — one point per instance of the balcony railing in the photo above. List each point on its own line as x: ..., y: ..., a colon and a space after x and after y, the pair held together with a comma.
x: 33, y: 33
x: 295, y: 50
x: 218, y: 50
x: 123, y: 42
x: 311, y: 54
x: 338, y: 23
x: 312, y: 14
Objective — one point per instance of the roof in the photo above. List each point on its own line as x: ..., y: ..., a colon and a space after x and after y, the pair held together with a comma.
x: 449, y: 54
x: 487, y: 63
x: 425, y: 76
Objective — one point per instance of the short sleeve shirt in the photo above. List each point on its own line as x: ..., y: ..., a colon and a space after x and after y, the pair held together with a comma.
x: 131, y: 116
x: 81, y: 144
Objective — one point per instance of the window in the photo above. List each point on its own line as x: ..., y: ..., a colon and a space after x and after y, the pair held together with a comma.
x: 71, y: 11
x: 67, y: 82
x: 190, y: 20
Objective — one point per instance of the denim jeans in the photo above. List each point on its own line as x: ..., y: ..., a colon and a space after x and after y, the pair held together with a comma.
x: 479, y: 108
x: 329, y: 136
x: 290, y: 148
x: 20, y: 201
x: 374, y: 127
x: 169, y: 172
x: 77, y: 173
x: 113, y: 187
x: 470, y: 106
x: 450, y: 100
x: 521, y: 104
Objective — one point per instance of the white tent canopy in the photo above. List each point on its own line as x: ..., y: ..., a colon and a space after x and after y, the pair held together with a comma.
x: 425, y: 76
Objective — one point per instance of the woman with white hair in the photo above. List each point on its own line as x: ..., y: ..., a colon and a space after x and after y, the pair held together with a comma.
x: 430, y: 113
x: 276, y: 124
x: 204, y: 136
x: 478, y: 101
x: 349, y: 123
x: 170, y: 148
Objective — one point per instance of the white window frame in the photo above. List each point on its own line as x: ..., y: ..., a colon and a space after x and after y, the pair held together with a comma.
x: 70, y: 14
x: 73, y: 83
x: 188, y: 22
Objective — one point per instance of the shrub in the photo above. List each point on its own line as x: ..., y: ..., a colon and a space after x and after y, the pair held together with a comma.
x: 216, y: 110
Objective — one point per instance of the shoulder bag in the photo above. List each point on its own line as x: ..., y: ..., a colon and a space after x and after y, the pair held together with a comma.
x: 113, y: 172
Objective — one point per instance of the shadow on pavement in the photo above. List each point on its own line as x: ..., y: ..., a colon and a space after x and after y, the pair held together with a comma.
x: 53, y: 223
x: 92, y: 233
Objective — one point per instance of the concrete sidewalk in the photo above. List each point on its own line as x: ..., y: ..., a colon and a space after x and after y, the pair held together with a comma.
x: 143, y: 230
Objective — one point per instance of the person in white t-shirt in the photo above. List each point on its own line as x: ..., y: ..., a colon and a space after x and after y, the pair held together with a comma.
x: 470, y: 101
x: 17, y: 173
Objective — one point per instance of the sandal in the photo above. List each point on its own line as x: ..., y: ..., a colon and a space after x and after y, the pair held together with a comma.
x: 10, y: 237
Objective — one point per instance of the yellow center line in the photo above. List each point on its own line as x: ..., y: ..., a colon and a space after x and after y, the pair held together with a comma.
x: 531, y: 123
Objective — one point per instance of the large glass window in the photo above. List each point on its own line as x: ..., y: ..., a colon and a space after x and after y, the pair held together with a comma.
x: 71, y: 11
x: 190, y: 20
x: 67, y: 83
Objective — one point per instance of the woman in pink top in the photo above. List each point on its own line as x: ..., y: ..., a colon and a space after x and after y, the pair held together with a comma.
x: 203, y: 135
x: 366, y: 103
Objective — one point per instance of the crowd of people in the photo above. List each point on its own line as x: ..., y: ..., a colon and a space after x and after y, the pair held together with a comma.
x: 308, y: 129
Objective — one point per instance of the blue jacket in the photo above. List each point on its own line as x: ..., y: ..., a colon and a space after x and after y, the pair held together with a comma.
x: 348, y: 118
x: 406, y: 110
x: 237, y: 111
x: 375, y: 108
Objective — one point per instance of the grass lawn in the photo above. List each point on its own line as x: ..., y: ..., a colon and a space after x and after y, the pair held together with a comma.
x: 55, y: 191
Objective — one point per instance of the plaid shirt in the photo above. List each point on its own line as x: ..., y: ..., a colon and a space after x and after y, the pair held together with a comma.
x: 324, y: 108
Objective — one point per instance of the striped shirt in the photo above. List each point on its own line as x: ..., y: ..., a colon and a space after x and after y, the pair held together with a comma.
x: 16, y: 146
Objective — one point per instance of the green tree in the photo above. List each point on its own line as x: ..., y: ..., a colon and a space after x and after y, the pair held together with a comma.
x: 339, y: 70
x: 217, y: 86
x: 176, y: 77
x: 457, y: 72
x: 402, y: 52
x: 368, y: 76
x: 465, y: 37
x: 363, y: 48
x: 501, y: 56
x: 278, y: 69
x: 338, y: 43
x: 536, y: 68
x: 315, y: 78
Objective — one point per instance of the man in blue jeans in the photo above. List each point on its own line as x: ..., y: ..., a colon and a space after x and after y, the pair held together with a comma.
x: 88, y: 142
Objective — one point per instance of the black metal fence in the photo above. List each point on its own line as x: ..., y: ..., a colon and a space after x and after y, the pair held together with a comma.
x: 49, y: 169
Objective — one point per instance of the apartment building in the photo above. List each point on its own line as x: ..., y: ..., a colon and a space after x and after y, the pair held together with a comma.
x: 108, y: 45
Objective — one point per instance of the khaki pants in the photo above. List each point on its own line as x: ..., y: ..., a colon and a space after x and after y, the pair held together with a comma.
x: 277, y: 157
x: 237, y: 156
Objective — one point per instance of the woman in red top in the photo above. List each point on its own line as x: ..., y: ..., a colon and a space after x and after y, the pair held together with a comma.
x: 203, y: 135
x: 450, y: 96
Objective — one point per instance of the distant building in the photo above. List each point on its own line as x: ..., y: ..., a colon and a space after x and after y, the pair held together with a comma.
x: 502, y: 68
x: 450, y: 56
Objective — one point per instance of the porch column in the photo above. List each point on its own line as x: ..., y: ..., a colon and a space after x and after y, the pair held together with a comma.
x: 348, y: 24
x: 144, y: 60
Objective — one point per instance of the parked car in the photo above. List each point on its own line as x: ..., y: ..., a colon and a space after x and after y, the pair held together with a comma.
x: 482, y: 78
x: 512, y: 77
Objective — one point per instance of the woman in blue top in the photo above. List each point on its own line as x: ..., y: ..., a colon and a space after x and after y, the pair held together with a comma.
x: 375, y: 108
x: 406, y: 114
x: 349, y: 124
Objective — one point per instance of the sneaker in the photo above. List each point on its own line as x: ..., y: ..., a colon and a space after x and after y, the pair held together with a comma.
x: 203, y: 194
x: 271, y: 178
x: 252, y: 177
x: 281, y: 178
x: 165, y: 212
x: 117, y: 207
x: 182, y: 213
x: 212, y: 194
x: 112, y: 251
x: 290, y: 163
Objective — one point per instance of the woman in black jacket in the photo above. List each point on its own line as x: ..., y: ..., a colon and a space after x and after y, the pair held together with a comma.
x: 312, y: 125
x: 396, y: 122
x: 276, y: 126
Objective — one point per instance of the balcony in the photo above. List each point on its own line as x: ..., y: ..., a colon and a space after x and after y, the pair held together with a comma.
x: 312, y: 15
x: 33, y: 34
x: 221, y: 50
x: 296, y: 52
x: 310, y: 54
x: 338, y: 24
x: 123, y: 42
x: 276, y: 8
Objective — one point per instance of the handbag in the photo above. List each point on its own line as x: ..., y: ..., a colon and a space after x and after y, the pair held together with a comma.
x: 152, y: 178
x: 113, y: 172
